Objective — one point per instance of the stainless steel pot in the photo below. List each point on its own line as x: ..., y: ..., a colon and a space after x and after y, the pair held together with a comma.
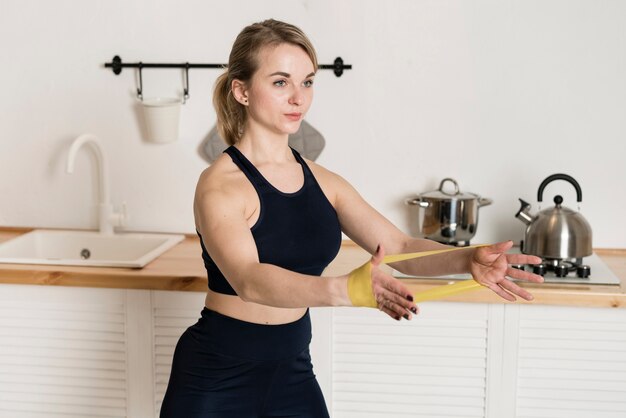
x: 448, y: 217
x: 557, y: 232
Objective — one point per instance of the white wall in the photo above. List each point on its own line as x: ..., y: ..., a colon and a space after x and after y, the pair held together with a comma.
x: 497, y: 94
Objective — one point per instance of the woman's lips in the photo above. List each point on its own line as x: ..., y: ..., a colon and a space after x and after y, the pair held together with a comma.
x: 293, y: 116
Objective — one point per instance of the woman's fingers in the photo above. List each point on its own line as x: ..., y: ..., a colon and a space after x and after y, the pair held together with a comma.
x: 387, y: 307
x: 507, y: 289
x: 515, y: 289
x: 389, y: 312
x: 392, y: 297
x: 523, y: 275
x: 499, y: 290
x: 522, y: 259
x: 396, y: 303
x: 397, y: 287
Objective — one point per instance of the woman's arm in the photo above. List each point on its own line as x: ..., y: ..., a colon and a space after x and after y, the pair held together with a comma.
x: 488, y: 265
x: 220, y: 217
x: 228, y: 239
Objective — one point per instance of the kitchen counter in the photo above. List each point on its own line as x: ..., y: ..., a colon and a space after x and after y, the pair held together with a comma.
x: 181, y: 268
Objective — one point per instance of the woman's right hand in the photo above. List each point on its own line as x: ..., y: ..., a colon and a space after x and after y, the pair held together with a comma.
x: 391, y: 295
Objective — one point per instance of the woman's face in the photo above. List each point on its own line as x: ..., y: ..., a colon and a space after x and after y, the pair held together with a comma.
x: 281, y: 90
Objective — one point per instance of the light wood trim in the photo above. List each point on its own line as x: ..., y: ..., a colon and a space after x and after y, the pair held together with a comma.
x: 181, y: 268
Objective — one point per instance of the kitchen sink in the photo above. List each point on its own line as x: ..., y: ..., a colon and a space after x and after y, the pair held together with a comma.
x: 86, y: 248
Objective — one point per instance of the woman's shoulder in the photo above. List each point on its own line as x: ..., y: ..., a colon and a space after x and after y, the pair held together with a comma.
x: 322, y: 173
x: 331, y: 183
x: 221, y: 178
x: 221, y: 171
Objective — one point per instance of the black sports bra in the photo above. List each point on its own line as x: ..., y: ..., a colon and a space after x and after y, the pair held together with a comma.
x: 298, y: 231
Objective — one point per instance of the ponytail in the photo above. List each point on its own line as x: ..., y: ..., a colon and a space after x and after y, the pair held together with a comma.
x: 230, y: 113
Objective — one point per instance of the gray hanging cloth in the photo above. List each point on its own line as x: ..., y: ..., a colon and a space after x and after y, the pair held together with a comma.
x: 307, y: 141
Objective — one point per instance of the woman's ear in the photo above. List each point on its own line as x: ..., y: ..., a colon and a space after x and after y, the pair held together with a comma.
x: 240, y: 91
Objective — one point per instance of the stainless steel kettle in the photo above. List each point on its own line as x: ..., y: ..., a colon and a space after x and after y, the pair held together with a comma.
x: 557, y: 232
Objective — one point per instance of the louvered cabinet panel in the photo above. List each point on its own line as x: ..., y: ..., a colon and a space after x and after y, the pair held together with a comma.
x: 434, y: 365
x: 62, y: 352
x: 571, y: 363
x: 173, y: 313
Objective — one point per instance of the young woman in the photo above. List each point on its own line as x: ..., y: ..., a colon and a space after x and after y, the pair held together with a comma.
x: 269, y: 222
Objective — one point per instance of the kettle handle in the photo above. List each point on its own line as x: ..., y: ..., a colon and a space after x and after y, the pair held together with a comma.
x: 570, y: 179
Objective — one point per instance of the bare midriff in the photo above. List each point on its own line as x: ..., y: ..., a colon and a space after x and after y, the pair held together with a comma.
x: 235, y: 307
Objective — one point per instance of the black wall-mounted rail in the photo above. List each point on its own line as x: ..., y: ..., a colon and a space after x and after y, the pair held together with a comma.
x: 116, y: 64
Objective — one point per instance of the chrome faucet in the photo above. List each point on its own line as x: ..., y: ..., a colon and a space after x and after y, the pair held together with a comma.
x: 108, y: 218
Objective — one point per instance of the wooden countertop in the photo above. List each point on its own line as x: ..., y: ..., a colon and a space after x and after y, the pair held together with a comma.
x: 181, y: 268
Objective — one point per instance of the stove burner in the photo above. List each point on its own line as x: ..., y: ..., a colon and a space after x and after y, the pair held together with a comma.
x: 540, y: 269
x: 560, y: 268
x: 583, y: 271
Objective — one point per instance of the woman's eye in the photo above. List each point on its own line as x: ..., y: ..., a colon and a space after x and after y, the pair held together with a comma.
x: 280, y: 83
x: 308, y: 83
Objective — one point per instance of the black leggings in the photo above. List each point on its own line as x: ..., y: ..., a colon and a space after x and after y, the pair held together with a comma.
x: 224, y: 368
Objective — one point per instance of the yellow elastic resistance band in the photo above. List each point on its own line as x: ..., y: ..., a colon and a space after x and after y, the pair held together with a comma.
x: 360, y: 280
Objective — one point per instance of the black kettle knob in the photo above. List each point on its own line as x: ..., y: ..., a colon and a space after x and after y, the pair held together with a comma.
x: 558, y: 199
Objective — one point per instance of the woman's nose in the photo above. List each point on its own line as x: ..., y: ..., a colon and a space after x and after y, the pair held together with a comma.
x: 296, y: 98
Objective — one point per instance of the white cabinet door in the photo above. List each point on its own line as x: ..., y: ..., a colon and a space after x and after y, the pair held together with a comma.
x: 434, y: 365
x: 63, y: 352
x: 67, y: 352
x: 571, y: 362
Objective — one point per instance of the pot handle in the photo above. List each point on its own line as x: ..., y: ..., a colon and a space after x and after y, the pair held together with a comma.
x: 570, y: 179
x: 483, y: 201
x: 456, y: 186
x: 417, y: 201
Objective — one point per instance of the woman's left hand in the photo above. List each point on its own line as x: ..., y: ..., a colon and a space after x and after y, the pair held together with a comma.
x: 490, y: 266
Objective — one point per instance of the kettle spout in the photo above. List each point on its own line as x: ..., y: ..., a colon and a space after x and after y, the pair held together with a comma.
x: 523, y: 214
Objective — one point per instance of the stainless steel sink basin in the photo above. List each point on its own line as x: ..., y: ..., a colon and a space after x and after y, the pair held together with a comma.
x: 86, y: 248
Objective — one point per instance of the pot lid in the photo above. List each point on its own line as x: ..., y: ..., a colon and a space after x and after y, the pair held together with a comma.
x: 455, y: 193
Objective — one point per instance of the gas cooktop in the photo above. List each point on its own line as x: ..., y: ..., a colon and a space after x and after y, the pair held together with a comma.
x: 599, y: 273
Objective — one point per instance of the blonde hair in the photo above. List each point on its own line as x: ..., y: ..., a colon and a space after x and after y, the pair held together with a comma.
x: 242, y: 64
